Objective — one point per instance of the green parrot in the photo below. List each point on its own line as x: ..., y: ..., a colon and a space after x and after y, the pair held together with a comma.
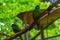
x: 36, y: 14
x: 16, y: 29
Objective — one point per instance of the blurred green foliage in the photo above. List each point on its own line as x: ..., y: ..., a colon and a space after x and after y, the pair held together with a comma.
x: 10, y: 8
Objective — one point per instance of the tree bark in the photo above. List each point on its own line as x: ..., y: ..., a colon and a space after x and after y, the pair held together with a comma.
x: 42, y: 33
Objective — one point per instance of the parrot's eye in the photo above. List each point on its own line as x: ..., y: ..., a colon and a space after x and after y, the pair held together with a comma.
x: 37, y: 6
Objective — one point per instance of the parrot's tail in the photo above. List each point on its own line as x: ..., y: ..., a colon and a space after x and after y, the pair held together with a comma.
x: 38, y: 25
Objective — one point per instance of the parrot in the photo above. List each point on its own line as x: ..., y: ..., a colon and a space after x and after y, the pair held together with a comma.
x: 16, y: 29
x: 36, y: 13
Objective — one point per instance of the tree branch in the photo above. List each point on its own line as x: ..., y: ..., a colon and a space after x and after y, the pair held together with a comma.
x: 26, y: 35
x: 49, y: 37
x: 51, y: 18
x: 31, y: 26
x: 52, y: 36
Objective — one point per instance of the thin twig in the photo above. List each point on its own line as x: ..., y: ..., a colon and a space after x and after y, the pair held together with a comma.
x: 52, y: 36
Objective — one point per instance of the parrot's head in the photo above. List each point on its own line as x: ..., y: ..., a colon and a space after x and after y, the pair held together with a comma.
x: 37, y: 7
